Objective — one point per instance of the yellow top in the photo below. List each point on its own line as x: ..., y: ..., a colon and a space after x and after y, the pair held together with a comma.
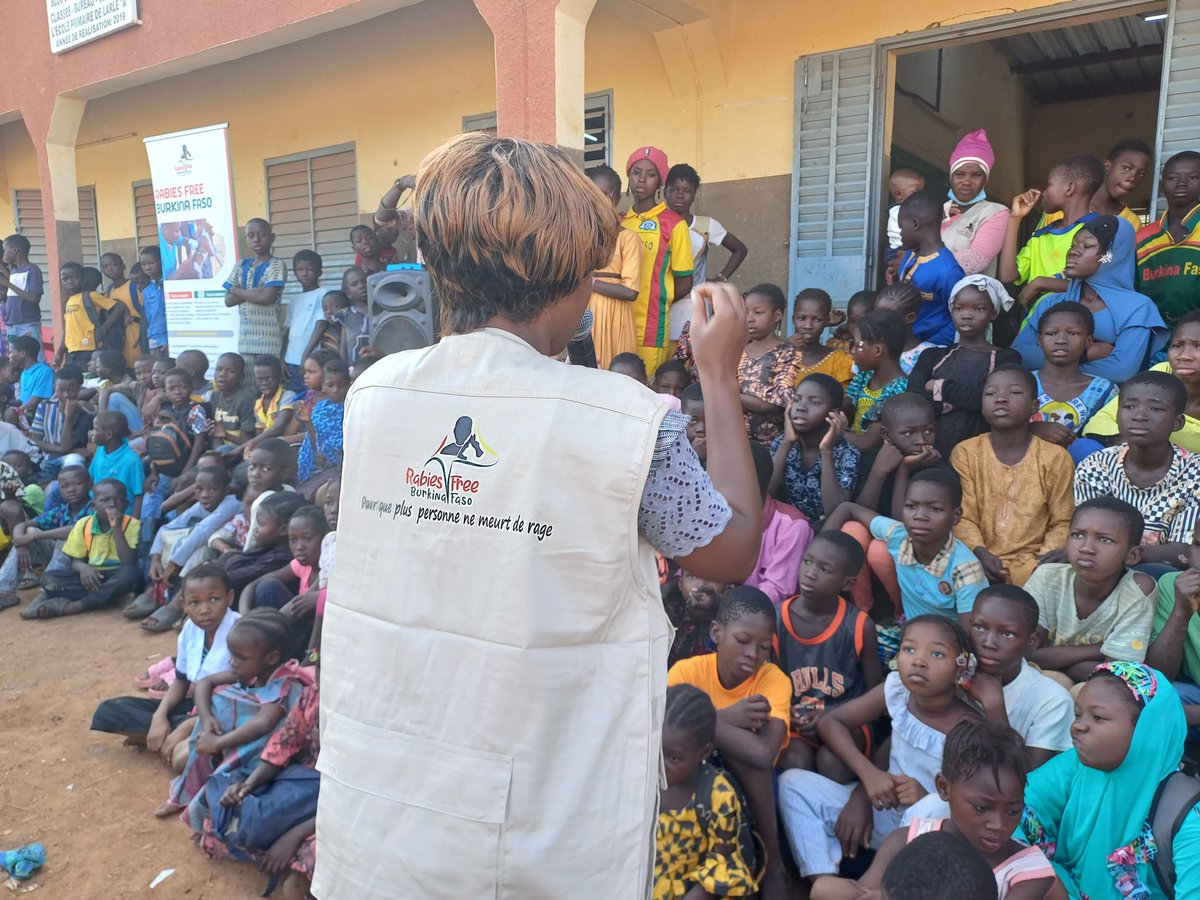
x: 78, y: 331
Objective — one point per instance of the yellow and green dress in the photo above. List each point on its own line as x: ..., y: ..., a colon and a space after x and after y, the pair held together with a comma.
x: 698, y: 846
x: 666, y: 255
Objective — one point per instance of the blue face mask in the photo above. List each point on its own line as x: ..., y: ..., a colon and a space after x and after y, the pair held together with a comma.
x: 982, y: 195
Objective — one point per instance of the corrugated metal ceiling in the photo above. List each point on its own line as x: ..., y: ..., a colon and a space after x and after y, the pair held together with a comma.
x: 1094, y: 59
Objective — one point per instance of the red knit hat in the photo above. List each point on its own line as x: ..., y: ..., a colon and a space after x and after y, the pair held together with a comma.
x: 655, y: 156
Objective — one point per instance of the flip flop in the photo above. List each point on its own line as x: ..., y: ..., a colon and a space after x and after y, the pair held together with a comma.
x: 43, y: 607
x: 140, y: 606
x: 162, y: 672
x: 28, y: 580
x: 162, y: 619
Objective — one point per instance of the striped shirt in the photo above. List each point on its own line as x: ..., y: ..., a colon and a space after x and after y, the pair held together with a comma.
x: 1169, y: 507
x: 1168, y: 272
x: 666, y: 255
x: 261, y: 326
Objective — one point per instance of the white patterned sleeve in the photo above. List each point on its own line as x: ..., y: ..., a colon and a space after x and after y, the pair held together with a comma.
x: 680, y: 509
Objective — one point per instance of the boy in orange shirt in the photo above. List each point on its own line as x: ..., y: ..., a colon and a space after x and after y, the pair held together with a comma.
x: 753, y: 699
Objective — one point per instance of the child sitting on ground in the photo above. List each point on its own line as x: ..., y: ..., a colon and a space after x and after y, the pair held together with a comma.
x: 810, y: 318
x: 952, y: 377
x: 624, y: 364
x: 164, y: 725
x: 268, y: 539
x: 983, y: 780
x: 691, y: 605
x: 179, y: 433
x: 127, y: 395
x: 1009, y: 691
x: 859, y: 304
x: 275, y: 406
x: 36, y: 541
x: 1090, y: 808
x: 237, y: 710
x: 1093, y: 607
x: 936, y: 572
x: 330, y: 499
x: 314, y: 380
x: 103, y: 561
x: 880, y: 337
x: 905, y: 301
x: 922, y: 700
x: 815, y: 466
x: 769, y: 369
x: 232, y: 406
x: 1159, y: 478
x: 699, y: 812
x: 1066, y: 398
x: 292, y: 589
x: 753, y: 701
x: 1017, y: 488
x: 928, y: 266
x: 1069, y: 189
x: 114, y: 458
x: 23, y: 496
x: 829, y: 651
x: 785, y: 535
x: 182, y: 544
x: 61, y: 424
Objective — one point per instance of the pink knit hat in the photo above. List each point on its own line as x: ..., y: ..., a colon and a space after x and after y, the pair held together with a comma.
x: 655, y: 156
x: 974, y: 147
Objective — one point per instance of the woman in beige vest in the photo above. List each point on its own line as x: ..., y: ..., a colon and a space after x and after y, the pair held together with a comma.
x: 494, y: 647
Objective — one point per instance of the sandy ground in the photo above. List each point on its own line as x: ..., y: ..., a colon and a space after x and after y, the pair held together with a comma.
x: 87, y: 798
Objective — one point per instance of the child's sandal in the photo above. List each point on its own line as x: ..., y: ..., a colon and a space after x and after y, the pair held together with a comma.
x: 43, y: 607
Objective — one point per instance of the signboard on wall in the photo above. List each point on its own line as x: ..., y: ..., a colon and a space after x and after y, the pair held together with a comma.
x: 76, y: 22
x: 197, y: 234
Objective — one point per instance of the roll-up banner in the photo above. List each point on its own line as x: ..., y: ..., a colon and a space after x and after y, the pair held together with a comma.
x: 197, y: 233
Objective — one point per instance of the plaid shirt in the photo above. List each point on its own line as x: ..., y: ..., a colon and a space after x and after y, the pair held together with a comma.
x: 61, y: 516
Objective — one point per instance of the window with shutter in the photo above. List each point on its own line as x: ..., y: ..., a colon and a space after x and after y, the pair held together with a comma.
x: 1179, y: 101
x: 834, y: 216
x: 312, y: 202
x: 597, y: 127
x: 144, y: 219
x: 27, y: 213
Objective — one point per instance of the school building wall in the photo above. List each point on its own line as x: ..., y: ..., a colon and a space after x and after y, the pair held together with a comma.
x: 710, y: 81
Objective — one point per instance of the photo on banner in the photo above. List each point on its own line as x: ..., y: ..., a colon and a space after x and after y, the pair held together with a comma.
x: 197, y: 234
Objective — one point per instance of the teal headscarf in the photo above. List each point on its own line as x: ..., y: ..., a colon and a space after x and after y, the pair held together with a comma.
x: 1092, y: 824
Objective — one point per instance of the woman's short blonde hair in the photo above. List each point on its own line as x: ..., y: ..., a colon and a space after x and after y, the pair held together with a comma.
x: 507, y: 227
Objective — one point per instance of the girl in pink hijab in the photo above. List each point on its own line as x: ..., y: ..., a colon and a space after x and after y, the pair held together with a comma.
x: 973, y: 226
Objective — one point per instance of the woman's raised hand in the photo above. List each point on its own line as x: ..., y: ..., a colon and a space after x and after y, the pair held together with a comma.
x: 718, y: 336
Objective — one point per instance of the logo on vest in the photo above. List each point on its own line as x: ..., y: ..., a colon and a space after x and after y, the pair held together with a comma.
x: 437, y: 480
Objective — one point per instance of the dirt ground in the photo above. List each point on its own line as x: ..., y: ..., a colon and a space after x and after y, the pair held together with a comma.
x: 88, y: 799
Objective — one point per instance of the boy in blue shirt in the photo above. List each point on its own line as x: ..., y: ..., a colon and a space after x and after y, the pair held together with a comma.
x: 928, y: 266
x: 116, y: 459
x: 37, y: 378
x: 937, y: 572
x: 154, y: 302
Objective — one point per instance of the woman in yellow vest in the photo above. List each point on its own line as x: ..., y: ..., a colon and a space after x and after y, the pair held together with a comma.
x: 494, y: 644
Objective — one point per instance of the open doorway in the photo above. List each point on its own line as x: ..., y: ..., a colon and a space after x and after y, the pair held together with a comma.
x: 1040, y: 94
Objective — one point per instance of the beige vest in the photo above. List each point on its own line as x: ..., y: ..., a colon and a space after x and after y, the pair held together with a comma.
x: 494, y: 648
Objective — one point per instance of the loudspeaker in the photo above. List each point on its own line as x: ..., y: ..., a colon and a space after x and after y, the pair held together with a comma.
x: 402, y: 311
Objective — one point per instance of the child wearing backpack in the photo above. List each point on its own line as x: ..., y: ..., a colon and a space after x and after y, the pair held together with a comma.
x: 178, y: 435
x: 700, y: 816
x: 1097, y: 809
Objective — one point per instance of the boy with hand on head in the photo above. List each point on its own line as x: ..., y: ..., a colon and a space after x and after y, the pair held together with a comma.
x: 1069, y: 190
x: 115, y: 459
x: 828, y: 649
x: 103, y: 560
x: 255, y: 287
x: 753, y: 700
x: 232, y: 406
x: 1160, y: 479
x: 937, y: 573
x: 22, y: 282
x: 304, y: 311
x: 1093, y: 607
x: 153, y: 301
x: 814, y: 463
x: 1168, y: 251
x: 35, y: 541
x: 928, y: 266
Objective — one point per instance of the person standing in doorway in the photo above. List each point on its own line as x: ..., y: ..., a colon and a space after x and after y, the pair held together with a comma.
x: 509, y: 744
x: 973, y: 227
